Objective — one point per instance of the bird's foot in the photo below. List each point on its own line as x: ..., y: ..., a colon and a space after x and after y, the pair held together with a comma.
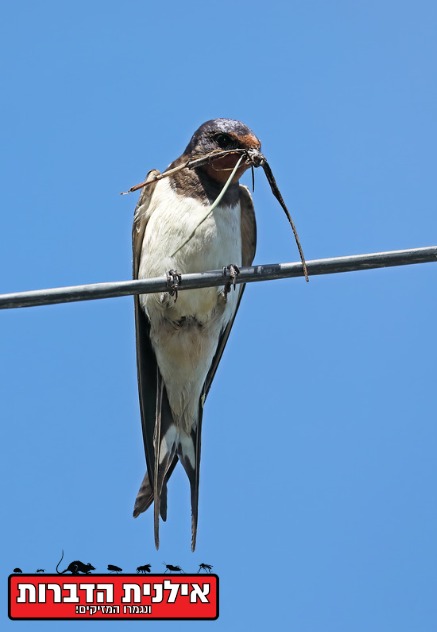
x: 174, y: 279
x: 232, y: 271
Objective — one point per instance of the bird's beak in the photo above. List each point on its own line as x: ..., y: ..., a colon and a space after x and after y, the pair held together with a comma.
x: 255, y: 158
x: 219, y: 169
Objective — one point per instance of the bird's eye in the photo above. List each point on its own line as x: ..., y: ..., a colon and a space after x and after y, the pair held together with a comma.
x: 224, y: 141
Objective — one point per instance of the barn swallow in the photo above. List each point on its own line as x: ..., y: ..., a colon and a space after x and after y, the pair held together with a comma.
x: 180, y: 338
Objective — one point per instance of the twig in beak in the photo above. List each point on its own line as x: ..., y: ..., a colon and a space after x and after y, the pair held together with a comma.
x: 189, y: 164
x: 255, y: 159
x: 274, y: 187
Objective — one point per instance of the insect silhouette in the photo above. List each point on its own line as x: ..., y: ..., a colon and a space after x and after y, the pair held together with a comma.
x: 143, y: 569
x: 205, y: 567
x: 173, y: 569
x: 114, y: 569
x: 17, y: 570
x: 76, y: 567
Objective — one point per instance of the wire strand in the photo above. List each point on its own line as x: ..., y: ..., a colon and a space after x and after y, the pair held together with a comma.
x: 268, y: 272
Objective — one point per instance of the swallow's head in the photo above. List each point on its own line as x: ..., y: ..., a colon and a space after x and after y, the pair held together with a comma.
x: 222, y: 135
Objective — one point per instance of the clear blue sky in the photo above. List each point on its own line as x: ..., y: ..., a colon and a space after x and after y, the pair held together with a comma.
x: 319, y: 468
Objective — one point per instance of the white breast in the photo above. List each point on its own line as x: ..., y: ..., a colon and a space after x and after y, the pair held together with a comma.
x: 212, y: 243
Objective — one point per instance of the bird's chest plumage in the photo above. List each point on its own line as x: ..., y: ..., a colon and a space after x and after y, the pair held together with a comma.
x: 182, y: 235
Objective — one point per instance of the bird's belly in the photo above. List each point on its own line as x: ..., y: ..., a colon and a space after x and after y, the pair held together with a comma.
x: 184, y: 357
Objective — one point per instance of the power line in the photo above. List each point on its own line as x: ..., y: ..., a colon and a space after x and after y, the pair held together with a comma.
x: 212, y: 278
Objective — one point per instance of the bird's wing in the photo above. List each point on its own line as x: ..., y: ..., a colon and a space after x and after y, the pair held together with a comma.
x: 146, y: 360
x: 248, y: 240
x: 154, y: 405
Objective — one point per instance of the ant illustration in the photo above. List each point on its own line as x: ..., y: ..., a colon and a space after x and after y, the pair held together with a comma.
x: 205, y: 567
x: 114, y: 569
x: 143, y: 569
x: 173, y: 569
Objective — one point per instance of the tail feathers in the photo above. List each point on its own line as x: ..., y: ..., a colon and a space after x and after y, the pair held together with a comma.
x: 163, y: 506
x: 175, y: 445
x: 189, y: 456
x: 163, y: 467
x: 144, y: 497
